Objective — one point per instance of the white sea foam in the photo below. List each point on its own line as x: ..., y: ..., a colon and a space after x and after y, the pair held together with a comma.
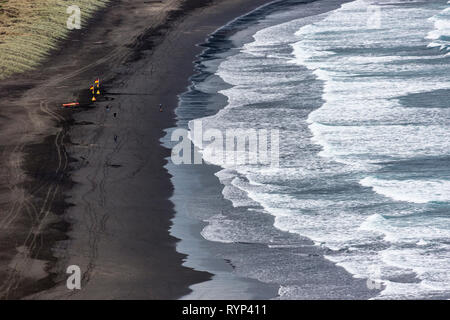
x: 430, y: 267
x: 418, y: 191
x: 370, y: 223
x: 220, y: 229
x: 408, y: 229
x: 362, y: 124
x: 440, y: 36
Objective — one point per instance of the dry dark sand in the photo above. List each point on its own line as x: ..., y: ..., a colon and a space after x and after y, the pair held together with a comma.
x: 70, y: 194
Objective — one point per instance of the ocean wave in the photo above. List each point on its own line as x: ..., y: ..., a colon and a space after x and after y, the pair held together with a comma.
x: 336, y: 136
x: 417, y: 191
x: 440, y: 36
x: 364, y: 124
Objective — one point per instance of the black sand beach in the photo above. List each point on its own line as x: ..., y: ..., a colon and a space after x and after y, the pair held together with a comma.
x: 92, y: 186
x: 70, y: 194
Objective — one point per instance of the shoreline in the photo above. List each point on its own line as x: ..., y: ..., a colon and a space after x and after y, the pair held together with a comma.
x: 225, y: 283
x: 123, y: 248
x: 239, y: 268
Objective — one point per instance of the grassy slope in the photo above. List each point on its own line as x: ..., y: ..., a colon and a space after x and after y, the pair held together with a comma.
x: 29, y: 29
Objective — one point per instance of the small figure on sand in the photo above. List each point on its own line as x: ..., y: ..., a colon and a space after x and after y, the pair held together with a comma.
x: 107, y: 107
x: 84, y: 160
x: 160, y: 107
x: 115, y: 138
x: 115, y: 114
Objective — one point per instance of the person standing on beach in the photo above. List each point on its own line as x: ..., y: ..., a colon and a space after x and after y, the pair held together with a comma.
x: 160, y: 107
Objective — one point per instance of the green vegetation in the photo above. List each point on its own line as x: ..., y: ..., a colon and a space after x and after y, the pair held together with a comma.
x: 29, y: 29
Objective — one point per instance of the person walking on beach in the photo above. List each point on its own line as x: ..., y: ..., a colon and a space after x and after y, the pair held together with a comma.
x: 160, y: 107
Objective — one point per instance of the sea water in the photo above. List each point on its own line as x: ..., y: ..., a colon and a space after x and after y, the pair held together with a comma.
x: 360, y: 96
